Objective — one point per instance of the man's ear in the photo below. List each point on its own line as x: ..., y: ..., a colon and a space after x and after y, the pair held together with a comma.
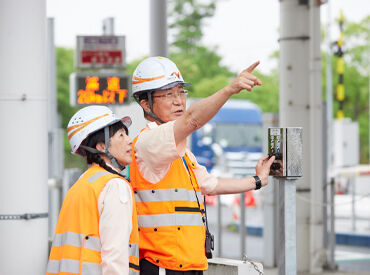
x: 145, y: 105
x: 100, y: 146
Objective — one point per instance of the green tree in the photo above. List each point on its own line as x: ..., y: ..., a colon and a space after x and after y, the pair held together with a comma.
x: 186, y: 21
x: 356, y: 79
x: 64, y: 60
x: 267, y: 95
x: 201, y: 65
x: 357, y: 44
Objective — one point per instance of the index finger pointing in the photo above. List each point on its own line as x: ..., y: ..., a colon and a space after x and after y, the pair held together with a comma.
x: 252, y: 67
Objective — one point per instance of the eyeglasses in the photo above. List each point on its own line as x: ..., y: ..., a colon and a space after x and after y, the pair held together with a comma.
x: 172, y: 95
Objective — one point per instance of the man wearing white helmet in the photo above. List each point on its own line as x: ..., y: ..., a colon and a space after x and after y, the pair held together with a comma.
x: 166, y: 177
x: 97, y: 231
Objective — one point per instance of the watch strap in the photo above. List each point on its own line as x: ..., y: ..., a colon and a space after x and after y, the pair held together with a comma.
x: 258, y: 182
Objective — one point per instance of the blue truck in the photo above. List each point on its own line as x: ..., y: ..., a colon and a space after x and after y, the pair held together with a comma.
x: 235, y: 134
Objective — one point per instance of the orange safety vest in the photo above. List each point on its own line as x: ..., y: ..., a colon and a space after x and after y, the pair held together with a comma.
x: 171, y: 227
x: 76, y: 247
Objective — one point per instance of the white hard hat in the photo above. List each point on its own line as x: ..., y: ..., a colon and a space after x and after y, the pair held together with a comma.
x: 156, y: 73
x: 89, y: 120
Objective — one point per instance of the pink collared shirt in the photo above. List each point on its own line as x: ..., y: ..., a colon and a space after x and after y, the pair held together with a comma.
x: 156, y: 149
x: 115, y: 225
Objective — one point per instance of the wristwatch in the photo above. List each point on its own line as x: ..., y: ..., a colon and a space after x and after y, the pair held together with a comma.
x: 258, y: 182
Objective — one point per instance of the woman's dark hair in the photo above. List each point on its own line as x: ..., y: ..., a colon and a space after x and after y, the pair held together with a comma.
x: 93, y: 139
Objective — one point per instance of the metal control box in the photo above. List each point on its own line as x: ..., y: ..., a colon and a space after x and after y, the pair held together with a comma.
x: 286, y: 145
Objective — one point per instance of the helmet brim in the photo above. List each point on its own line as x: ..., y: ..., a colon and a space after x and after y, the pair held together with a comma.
x: 126, y: 121
x: 165, y: 87
x: 174, y: 84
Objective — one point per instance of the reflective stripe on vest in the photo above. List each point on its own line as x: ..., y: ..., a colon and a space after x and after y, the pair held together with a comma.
x: 174, y: 194
x: 97, y: 175
x: 65, y: 240
x: 133, y: 250
x: 172, y: 233
x: 158, y: 220
x: 75, y: 239
x: 73, y: 266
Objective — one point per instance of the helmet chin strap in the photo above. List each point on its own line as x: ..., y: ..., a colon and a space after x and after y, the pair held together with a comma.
x: 150, y: 113
x: 112, y: 159
x: 106, y: 152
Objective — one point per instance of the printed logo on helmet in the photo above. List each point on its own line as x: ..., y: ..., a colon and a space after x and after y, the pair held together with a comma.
x: 176, y: 73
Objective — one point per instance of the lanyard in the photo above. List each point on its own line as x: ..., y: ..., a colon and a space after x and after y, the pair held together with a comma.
x: 202, y: 211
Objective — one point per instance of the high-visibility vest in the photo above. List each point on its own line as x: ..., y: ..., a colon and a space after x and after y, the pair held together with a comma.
x: 171, y: 227
x: 76, y: 247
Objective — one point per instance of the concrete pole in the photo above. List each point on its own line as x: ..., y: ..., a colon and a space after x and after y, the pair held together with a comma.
x: 328, y: 128
x: 108, y: 26
x: 328, y: 172
x: 23, y: 121
x: 329, y: 94
x: 158, y: 28
x: 301, y: 106
x: 55, y: 134
x: 317, y: 251
x: 294, y: 107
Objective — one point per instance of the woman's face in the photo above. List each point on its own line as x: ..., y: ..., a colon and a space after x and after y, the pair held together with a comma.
x: 120, y: 147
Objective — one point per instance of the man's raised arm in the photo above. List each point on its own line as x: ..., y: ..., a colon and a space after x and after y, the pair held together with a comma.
x: 203, y: 111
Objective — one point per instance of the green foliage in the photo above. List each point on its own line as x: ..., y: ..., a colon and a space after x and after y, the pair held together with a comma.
x: 357, y: 44
x: 201, y: 65
x: 64, y: 60
x: 356, y: 79
x: 132, y: 65
x: 265, y: 96
x: 356, y: 104
x: 64, y: 69
x: 186, y: 19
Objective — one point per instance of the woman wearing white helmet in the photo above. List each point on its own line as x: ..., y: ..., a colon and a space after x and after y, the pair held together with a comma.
x: 166, y: 177
x: 97, y: 230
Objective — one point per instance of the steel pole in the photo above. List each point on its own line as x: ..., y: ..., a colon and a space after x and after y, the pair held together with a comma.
x: 158, y: 28
x: 331, y: 260
x: 219, y: 226
x: 243, y: 227
x: 287, y: 227
x: 352, y: 182
x: 270, y: 199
